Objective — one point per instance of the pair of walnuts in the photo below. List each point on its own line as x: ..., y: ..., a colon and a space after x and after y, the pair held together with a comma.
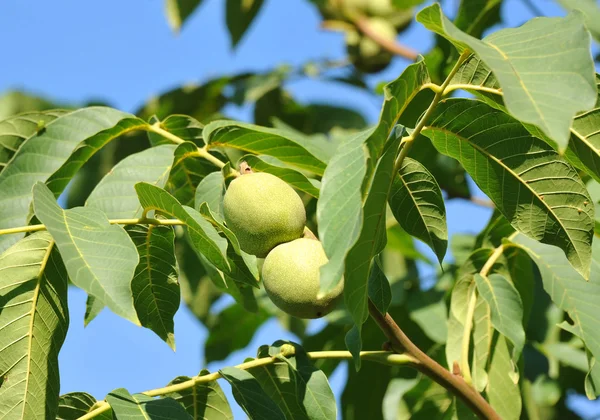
x: 268, y: 218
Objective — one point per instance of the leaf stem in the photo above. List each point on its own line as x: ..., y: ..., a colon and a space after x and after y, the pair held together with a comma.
x: 384, y: 357
x: 439, y: 94
x: 202, y: 151
x: 454, y: 383
x: 139, y: 221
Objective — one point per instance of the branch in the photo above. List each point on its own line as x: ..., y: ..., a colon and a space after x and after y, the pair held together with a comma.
x: 400, y: 341
x: 454, y: 383
x: 363, y: 25
x: 383, y: 357
x: 140, y: 221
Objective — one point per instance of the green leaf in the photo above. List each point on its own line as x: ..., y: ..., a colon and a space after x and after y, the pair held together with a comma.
x: 45, y: 153
x: 483, y: 333
x: 397, y: 97
x: 372, y: 237
x: 584, y: 147
x: 474, y: 16
x: 100, y: 258
x: 339, y: 208
x: 16, y: 129
x: 503, y: 394
x: 262, y: 140
x: 591, y: 13
x: 13, y: 102
x: 239, y: 15
x: 567, y: 355
x: 139, y: 406
x: 583, y: 150
x: 299, y: 389
x: 530, y: 184
x: 187, y: 172
x: 154, y: 286
x: 428, y: 310
x: 250, y: 396
x: 115, y: 194
x: 568, y: 290
x: 273, y: 166
x: 506, y: 308
x: 73, y: 405
x: 232, y: 329
x: 178, y: 11
x: 33, y: 325
x: 538, y: 90
x: 205, y: 400
x: 204, y: 237
x: 211, y: 191
x: 462, y: 293
x: 418, y: 206
x: 93, y: 307
x: 379, y: 292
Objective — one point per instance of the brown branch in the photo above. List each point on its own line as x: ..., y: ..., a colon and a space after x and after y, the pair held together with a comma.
x: 362, y: 23
x: 454, y: 383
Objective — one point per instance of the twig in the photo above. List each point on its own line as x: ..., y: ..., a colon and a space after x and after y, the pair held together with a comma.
x: 383, y: 357
x: 454, y: 383
x: 362, y: 23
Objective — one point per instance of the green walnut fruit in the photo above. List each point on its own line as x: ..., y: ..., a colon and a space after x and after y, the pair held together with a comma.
x: 263, y: 211
x: 366, y: 54
x: 291, y: 276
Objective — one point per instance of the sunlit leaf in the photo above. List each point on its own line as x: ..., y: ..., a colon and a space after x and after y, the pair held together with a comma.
x: 339, y: 209
x: 530, y: 184
x: 418, y: 206
x: 100, y: 258
x: 154, y: 286
x: 272, y: 166
x: 261, y: 140
x: 16, y: 129
x: 44, y: 153
x: 115, y: 194
x: 211, y: 191
x: 372, y: 238
x: 397, y: 97
x: 33, y: 324
x: 591, y: 13
x: 544, y: 67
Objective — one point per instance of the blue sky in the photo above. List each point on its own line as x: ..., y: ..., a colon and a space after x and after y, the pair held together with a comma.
x: 123, y: 52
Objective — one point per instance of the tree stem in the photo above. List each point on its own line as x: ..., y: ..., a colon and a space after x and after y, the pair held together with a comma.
x: 454, y: 383
x: 384, y: 357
